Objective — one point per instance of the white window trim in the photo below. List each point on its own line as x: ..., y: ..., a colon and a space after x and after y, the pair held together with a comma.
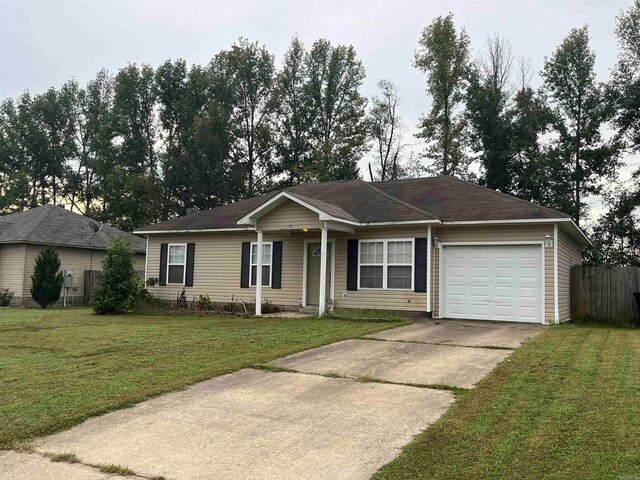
x: 251, y: 264
x: 386, y: 264
x: 184, y: 265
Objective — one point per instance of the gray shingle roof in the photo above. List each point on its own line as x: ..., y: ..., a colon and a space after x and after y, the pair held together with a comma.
x: 54, y: 225
x: 443, y: 198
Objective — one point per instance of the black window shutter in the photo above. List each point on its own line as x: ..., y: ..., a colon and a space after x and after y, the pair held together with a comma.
x: 276, y: 268
x: 163, y: 263
x: 246, y: 264
x: 191, y: 250
x: 352, y: 264
x: 420, y: 274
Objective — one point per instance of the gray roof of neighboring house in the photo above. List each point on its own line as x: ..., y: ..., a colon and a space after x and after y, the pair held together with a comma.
x: 442, y: 198
x: 54, y: 225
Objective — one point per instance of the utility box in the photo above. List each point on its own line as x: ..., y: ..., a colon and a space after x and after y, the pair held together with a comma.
x: 68, y: 278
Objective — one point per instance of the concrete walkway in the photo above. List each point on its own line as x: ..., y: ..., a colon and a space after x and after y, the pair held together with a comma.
x: 307, y: 424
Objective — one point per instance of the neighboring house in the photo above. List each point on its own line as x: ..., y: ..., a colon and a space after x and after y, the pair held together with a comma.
x: 439, y: 246
x: 24, y: 234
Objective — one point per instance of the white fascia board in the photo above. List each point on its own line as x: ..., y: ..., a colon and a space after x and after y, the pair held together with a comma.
x: 194, y: 230
x: 279, y: 199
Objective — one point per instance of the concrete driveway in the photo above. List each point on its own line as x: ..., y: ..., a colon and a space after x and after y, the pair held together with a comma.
x: 320, y: 422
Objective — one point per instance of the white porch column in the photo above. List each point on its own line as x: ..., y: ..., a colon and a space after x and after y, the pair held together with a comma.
x: 322, y: 301
x: 259, y: 274
x: 429, y: 248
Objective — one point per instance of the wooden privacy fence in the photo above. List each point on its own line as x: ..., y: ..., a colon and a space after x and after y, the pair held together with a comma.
x: 92, y: 280
x: 604, y: 294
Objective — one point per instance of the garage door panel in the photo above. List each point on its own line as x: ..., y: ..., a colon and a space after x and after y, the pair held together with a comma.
x: 497, y: 282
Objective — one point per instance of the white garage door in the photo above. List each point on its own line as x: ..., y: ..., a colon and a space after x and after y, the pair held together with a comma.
x: 498, y: 282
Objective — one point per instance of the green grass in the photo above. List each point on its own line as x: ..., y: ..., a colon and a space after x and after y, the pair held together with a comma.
x: 564, y: 406
x: 65, y: 457
x: 116, y: 469
x: 59, y: 367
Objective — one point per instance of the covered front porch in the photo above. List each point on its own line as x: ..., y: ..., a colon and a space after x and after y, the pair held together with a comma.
x: 322, y: 259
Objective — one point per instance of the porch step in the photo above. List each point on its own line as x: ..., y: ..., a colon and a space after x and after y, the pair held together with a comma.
x: 309, y: 310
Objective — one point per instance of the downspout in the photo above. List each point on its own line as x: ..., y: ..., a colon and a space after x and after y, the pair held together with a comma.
x: 429, y: 248
x: 555, y: 274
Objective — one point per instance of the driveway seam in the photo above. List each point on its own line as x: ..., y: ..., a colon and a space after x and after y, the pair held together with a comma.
x: 488, y: 347
x: 362, y: 379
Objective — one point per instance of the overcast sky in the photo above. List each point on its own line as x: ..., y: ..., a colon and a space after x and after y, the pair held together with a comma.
x: 45, y: 43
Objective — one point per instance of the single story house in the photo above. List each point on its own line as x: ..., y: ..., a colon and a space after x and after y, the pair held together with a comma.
x: 80, y: 241
x: 439, y: 246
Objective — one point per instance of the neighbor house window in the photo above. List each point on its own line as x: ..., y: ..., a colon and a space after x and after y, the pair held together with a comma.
x: 266, y: 264
x: 386, y: 264
x: 176, y: 264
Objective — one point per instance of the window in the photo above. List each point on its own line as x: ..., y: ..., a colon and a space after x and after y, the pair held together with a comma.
x: 371, y: 264
x: 266, y: 264
x: 386, y: 264
x: 399, y: 265
x: 176, y: 264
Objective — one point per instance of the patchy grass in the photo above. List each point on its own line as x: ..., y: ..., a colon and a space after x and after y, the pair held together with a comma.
x: 564, y: 406
x: 367, y: 315
x: 65, y: 457
x: 116, y: 469
x: 60, y: 367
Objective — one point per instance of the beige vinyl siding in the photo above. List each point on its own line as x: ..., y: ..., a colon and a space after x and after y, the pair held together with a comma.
x: 76, y: 259
x: 218, y: 264
x: 289, y: 216
x: 500, y: 233
x: 217, y: 267
x: 12, y: 269
x: 401, y: 300
x: 569, y: 254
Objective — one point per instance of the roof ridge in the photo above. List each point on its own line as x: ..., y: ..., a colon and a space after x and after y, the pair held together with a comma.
x: 512, y: 197
x: 44, y: 217
x: 397, y: 200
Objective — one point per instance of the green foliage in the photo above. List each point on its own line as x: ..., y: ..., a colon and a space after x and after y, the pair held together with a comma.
x: 625, y: 81
x: 204, y: 303
x: 616, y: 235
x: 47, y: 279
x: 6, y: 297
x: 443, y: 56
x: 118, y: 285
x: 569, y: 80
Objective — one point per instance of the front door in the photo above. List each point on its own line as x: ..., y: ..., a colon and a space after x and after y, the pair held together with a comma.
x: 313, y: 273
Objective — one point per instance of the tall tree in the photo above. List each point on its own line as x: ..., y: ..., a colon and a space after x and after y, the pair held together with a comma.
x: 443, y: 55
x: 91, y: 110
x: 14, y: 172
x: 387, y: 131
x: 133, y: 190
x: 616, y: 235
x: 293, y: 147
x: 488, y: 98
x: 336, y: 111
x: 249, y: 71
x: 625, y: 81
x: 569, y: 80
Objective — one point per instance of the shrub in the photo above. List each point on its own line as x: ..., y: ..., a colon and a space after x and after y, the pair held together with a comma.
x: 47, y: 279
x: 181, y: 300
x: 204, y: 303
x: 269, y: 307
x: 118, y: 282
x: 6, y: 297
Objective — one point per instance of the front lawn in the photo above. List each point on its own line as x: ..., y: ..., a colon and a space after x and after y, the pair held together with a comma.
x: 564, y: 406
x: 59, y: 367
